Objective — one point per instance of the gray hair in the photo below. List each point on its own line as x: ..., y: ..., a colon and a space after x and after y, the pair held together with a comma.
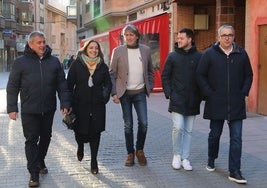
x: 225, y: 26
x: 33, y: 34
x: 131, y: 28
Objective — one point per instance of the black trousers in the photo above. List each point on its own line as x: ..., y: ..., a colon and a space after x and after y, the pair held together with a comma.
x: 37, y: 130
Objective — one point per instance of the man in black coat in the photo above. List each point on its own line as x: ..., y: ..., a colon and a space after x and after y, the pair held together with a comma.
x: 225, y: 76
x: 180, y: 86
x: 37, y: 76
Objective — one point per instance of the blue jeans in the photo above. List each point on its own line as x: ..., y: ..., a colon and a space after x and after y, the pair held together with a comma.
x: 140, y: 105
x: 182, y: 134
x: 235, y: 149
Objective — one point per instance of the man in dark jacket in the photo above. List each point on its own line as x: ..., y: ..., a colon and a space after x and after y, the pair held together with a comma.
x: 37, y: 76
x: 225, y: 76
x: 180, y: 86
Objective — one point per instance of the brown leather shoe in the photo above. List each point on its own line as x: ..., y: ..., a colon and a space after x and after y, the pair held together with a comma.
x: 141, y: 157
x: 42, y: 168
x: 43, y: 171
x: 34, y: 181
x: 130, y: 160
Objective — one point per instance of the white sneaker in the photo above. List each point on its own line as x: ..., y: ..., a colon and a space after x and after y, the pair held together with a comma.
x: 176, y: 162
x: 186, y: 165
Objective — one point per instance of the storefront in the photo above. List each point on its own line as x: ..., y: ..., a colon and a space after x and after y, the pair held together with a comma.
x: 154, y: 33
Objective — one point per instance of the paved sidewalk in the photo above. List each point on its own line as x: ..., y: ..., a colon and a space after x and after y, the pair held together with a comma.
x: 3, y: 79
x: 66, y: 172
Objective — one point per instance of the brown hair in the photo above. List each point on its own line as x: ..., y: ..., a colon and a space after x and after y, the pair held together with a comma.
x: 86, y: 44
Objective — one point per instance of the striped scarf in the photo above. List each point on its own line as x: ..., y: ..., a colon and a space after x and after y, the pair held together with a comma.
x: 91, y: 63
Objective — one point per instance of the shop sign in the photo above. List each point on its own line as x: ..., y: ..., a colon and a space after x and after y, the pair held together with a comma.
x: 7, y: 33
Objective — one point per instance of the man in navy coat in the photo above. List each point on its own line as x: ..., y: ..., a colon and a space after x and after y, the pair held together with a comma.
x: 224, y: 75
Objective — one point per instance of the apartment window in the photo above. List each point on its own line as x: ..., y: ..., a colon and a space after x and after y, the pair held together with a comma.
x: 53, y: 39
x: 26, y: 18
x: 72, y: 2
x: 42, y: 1
x: 41, y: 20
x: 87, y: 6
x: 133, y: 17
x: 71, y: 11
x: 9, y: 11
x: 81, y: 21
x: 96, y: 8
x: 1, y: 6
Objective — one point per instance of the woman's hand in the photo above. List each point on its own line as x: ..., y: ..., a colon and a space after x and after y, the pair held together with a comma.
x: 116, y: 99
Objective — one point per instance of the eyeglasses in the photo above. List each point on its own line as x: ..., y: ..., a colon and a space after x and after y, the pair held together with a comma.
x: 224, y: 36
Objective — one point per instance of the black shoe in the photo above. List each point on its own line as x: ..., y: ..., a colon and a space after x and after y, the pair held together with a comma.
x: 34, y: 180
x: 42, y: 168
x: 237, y: 177
x: 94, y: 171
x: 210, y: 166
x: 94, y: 167
x: 80, y: 152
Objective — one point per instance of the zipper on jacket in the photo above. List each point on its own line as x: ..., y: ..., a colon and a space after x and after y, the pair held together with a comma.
x: 228, y: 90
x: 41, y: 75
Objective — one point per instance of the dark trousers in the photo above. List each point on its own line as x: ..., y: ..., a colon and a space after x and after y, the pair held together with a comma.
x: 235, y: 149
x: 37, y: 130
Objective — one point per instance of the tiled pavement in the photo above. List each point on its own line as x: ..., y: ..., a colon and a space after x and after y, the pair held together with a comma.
x: 66, y: 172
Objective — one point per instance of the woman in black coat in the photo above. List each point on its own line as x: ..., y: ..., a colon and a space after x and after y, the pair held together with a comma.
x: 89, y: 79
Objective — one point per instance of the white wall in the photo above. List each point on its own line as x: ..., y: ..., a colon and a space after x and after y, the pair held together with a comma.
x: 59, y: 4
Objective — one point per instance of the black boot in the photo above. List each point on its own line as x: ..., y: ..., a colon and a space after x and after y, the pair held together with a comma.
x: 94, y: 166
x: 80, y: 152
x: 94, y: 145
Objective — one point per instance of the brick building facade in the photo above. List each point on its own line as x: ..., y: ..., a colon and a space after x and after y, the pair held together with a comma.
x: 247, y: 16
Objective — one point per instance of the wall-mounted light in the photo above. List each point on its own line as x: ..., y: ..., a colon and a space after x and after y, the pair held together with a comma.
x: 201, y: 22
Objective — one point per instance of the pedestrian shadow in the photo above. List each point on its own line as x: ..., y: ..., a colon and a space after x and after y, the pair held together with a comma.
x: 105, y: 181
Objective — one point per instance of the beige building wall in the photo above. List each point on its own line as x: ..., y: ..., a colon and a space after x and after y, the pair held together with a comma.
x: 60, y: 32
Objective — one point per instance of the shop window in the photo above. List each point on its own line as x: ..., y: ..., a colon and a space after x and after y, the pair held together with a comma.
x: 152, y: 40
